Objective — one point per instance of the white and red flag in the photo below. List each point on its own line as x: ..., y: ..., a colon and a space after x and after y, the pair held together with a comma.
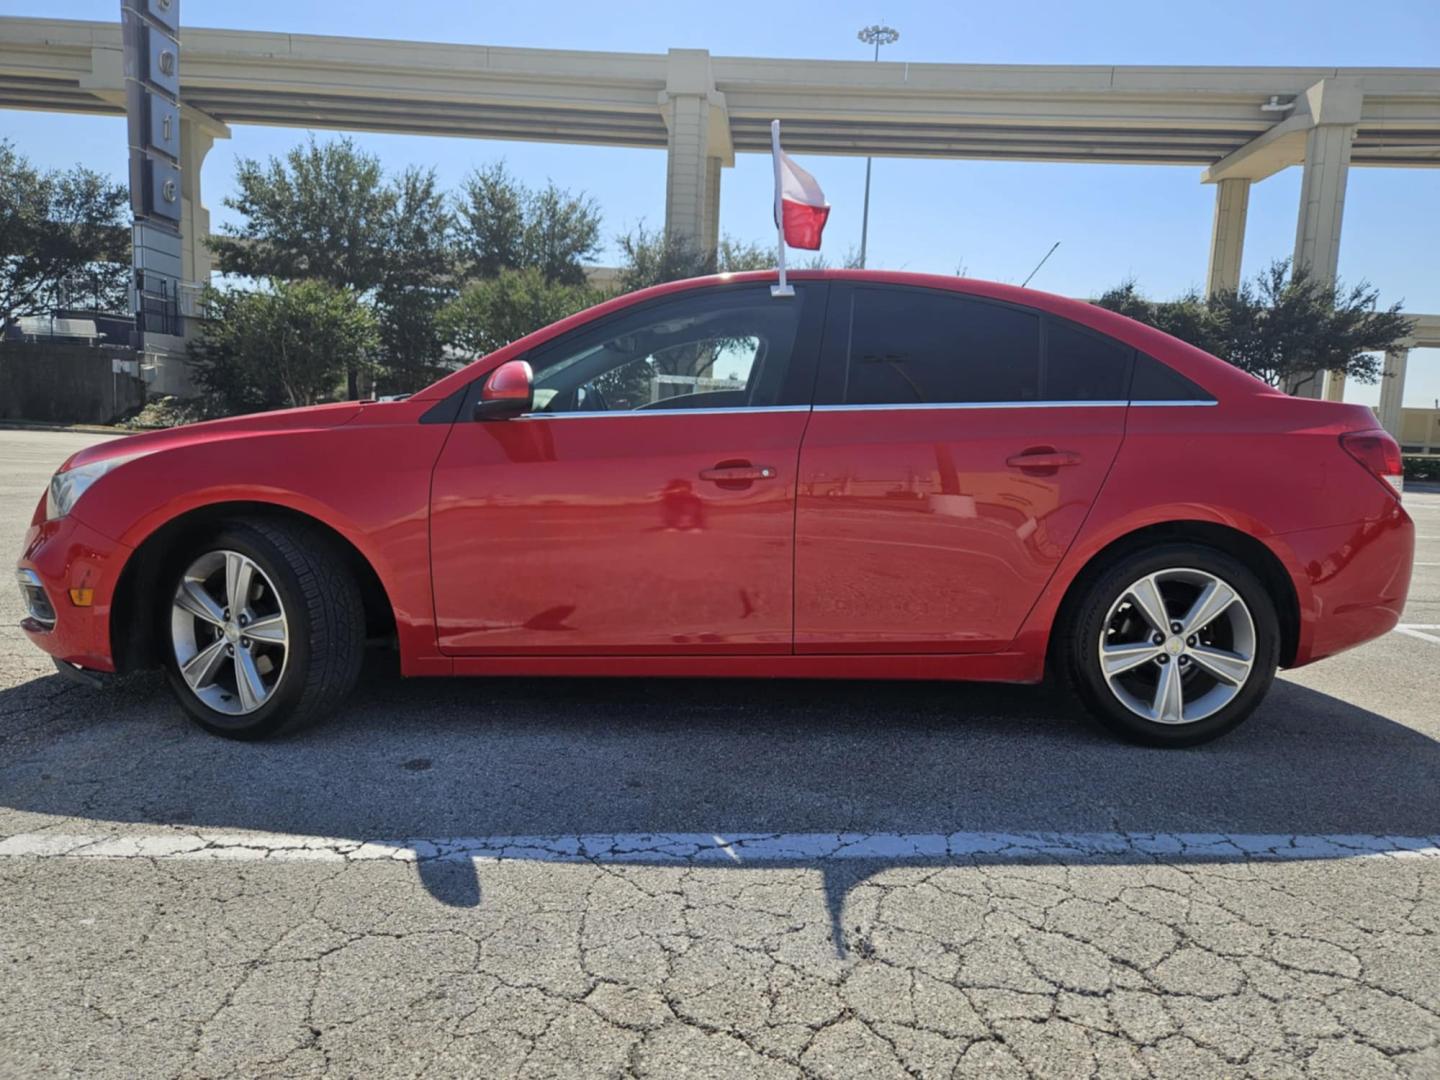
x: 800, y: 208
x: 803, y: 208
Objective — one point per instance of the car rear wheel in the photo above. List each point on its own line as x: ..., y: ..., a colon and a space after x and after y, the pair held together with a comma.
x: 265, y: 629
x: 1173, y: 646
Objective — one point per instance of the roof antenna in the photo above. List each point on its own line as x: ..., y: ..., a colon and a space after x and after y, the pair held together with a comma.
x: 1040, y: 264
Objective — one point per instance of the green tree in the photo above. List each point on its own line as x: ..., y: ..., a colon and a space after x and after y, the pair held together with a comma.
x: 63, y: 239
x: 505, y: 225
x: 327, y: 212
x: 1283, y: 328
x: 413, y: 288
x: 288, y: 346
x: 491, y: 213
x: 491, y: 313
x: 653, y: 256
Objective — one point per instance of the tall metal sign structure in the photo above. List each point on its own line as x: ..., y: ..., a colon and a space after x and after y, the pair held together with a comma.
x: 150, y: 34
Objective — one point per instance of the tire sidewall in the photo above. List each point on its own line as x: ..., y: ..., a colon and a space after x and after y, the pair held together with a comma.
x: 1090, y: 617
x: 271, y: 716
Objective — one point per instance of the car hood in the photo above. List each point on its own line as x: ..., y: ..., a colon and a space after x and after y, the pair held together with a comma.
x: 312, y: 417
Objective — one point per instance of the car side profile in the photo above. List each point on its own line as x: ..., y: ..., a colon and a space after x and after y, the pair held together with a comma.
x: 885, y: 475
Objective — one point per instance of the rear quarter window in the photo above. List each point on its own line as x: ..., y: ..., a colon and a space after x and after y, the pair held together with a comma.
x: 1154, y: 381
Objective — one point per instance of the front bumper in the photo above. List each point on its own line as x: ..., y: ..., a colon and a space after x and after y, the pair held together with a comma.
x: 65, y: 555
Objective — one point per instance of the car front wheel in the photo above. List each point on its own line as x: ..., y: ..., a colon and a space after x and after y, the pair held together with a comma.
x: 1173, y: 646
x: 265, y: 628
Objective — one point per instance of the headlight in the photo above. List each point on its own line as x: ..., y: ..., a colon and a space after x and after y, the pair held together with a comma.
x: 67, y: 487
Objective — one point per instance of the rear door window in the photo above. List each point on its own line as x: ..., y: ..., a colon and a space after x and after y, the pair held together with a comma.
x: 915, y: 347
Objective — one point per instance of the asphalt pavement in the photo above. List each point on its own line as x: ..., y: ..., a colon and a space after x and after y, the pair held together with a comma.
x: 599, y: 878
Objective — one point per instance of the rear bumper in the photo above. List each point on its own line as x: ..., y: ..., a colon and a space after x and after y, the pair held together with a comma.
x: 64, y: 555
x: 1350, y: 580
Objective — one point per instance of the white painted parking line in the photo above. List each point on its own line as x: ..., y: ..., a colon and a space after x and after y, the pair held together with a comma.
x: 1417, y: 630
x: 715, y: 848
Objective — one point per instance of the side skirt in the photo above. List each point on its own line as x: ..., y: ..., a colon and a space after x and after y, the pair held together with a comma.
x: 1007, y: 667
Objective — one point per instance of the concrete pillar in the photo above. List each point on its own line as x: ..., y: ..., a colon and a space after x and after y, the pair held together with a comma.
x: 1335, y: 109
x: 1334, y: 386
x: 1322, y: 200
x: 196, y: 263
x: 710, y: 225
x: 687, y: 169
x: 1227, y: 235
x: 1392, y: 390
x: 697, y: 147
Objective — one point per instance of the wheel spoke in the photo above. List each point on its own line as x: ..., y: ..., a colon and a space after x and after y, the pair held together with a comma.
x: 1147, y: 598
x: 248, y: 681
x: 270, y: 629
x: 239, y: 574
x: 1213, y: 599
x: 192, y: 597
x: 1118, y: 659
x: 202, y: 668
x: 1168, y: 706
x: 1230, y: 668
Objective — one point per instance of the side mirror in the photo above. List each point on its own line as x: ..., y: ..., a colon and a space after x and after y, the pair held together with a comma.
x: 508, y: 392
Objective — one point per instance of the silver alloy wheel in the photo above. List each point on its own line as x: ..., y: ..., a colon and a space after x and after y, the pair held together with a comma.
x: 228, y: 629
x: 1177, y: 646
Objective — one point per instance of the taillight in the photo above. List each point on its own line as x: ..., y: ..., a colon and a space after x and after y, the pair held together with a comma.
x: 1379, y: 453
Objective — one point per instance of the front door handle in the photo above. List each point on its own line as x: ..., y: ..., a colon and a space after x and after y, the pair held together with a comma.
x: 737, y: 475
x: 1042, y: 457
x: 722, y: 473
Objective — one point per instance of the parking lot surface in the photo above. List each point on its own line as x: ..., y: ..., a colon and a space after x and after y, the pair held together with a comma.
x: 698, y: 878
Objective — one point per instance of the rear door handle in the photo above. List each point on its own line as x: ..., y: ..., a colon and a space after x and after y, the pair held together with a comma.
x: 1042, y: 458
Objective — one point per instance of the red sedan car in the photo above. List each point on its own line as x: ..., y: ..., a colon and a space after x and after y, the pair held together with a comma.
x: 882, y: 476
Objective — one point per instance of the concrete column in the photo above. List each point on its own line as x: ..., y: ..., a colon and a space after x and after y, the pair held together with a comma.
x: 196, y: 263
x: 710, y: 226
x: 687, y: 169
x: 1334, y: 386
x: 1392, y: 390
x: 1227, y: 235
x: 1335, y: 109
x: 698, y: 146
x: 1322, y: 200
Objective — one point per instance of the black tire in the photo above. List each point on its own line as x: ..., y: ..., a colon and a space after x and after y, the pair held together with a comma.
x: 1081, y: 634
x: 325, y: 634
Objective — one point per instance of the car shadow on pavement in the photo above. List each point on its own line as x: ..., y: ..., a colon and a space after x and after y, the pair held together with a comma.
x: 557, y: 758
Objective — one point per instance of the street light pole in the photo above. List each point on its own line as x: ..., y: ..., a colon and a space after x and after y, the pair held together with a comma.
x: 876, y: 35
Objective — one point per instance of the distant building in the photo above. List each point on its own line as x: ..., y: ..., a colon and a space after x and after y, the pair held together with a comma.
x: 68, y: 326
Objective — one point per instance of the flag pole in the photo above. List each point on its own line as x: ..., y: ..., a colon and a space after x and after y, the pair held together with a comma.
x: 783, y: 288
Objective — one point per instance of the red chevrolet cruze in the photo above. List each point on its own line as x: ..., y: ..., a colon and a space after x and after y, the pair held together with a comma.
x: 882, y: 476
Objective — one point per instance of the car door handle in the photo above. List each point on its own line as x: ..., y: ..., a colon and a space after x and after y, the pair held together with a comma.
x: 723, y: 474
x: 1042, y: 457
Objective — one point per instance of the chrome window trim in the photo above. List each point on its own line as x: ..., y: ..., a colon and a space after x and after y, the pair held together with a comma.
x: 905, y: 406
x: 896, y: 407
x: 1152, y: 404
x: 661, y: 412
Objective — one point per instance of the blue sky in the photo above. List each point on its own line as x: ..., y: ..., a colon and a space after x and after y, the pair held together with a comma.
x: 996, y: 219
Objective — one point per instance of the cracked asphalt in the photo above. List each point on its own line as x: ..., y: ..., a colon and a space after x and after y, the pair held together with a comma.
x: 697, y: 878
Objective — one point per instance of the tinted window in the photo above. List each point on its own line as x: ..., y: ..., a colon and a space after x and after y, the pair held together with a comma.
x: 713, y: 349
x: 1083, y: 366
x: 1153, y: 381
x: 910, y: 347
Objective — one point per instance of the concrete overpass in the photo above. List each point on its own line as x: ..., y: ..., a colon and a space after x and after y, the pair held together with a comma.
x: 1239, y: 125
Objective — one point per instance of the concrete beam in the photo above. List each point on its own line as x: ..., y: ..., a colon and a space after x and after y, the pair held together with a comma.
x: 1227, y: 235
x: 1191, y: 116
x: 1278, y: 148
